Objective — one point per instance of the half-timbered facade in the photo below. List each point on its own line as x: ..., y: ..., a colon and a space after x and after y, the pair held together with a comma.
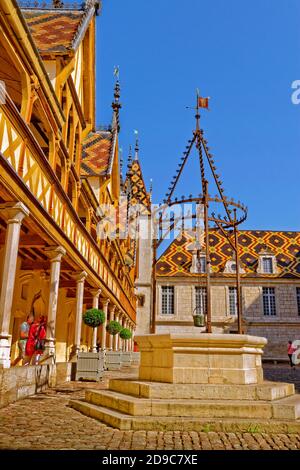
x: 56, y: 169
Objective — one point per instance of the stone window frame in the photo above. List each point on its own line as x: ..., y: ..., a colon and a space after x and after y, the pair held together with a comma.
x: 298, y: 299
x: 228, y: 267
x: 199, y: 262
x: 194, y: 297
x: 159, y: 303
x: 260, y: 269
x: 228, y: 313
x: 277, y: 314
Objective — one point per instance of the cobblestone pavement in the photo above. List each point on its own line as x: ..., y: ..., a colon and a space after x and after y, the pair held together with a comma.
x: 46, y: 422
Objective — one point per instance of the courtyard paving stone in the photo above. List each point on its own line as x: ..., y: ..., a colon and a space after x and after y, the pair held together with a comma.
x: 45, y: 421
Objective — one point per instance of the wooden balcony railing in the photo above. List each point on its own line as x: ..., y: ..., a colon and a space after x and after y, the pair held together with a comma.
x: 20, y: 148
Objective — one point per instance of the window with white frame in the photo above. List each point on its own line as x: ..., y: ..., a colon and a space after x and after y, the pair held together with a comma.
x: 232, y: 300
x: 167, y: 300
x: 269, y: 301
x: 201, y: 300
x: 267, y: 265
x: 298, y: 299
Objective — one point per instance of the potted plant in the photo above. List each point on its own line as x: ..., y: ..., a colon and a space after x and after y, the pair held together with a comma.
x: 113, y: 327
x: 93, y: 317
x: 126, y: 334
x: 113, y: 358
x: 90, y: 365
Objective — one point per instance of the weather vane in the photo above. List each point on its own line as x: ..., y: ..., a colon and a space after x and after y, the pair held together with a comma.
x: 117, y: 72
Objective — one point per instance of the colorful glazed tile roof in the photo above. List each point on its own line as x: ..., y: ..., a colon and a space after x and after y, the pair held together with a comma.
x: 137, y: 186
x: 53, y: 31
x: 177, y: 260
x: 96, y: 154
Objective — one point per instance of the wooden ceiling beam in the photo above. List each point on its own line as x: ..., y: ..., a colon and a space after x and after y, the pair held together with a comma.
x: 26, y: 241
x: 28, y: 265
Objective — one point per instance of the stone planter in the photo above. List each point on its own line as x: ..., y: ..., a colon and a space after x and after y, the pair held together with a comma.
x: 126, y: 358
x: 113, y: 360
x: 90, y: 366
x: 136, y: 357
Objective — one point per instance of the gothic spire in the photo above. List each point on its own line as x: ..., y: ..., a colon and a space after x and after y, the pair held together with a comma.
x: 116, y: 105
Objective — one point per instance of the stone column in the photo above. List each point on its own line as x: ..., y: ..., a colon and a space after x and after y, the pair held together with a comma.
x: 123, y: 340
x: 127, y: 340
x: 111, y: 318
x: 95, y: 293
x: 120, y: 339
x: 80, y: 278
x: 14, y: 213
x: 105, y: 303
x: 130, y: 341
x: 116, y: 337
x: 55, y: 253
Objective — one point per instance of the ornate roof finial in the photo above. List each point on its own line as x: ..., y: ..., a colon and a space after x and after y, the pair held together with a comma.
x: 129, y: 159
x: 151, y: 189
x: 121, y: 164
x: 116, y: 105
x: 136, y: 155
x: 57, y: 3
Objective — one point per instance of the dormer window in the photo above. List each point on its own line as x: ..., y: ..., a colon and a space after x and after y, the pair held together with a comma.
x: 267, y: 265
x: 201, y: 264
x: 230, y: 267
x: 198, y: 258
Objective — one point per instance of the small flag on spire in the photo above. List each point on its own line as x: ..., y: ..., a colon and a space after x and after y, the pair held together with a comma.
x: 203, y: 102
x: 136, y: 132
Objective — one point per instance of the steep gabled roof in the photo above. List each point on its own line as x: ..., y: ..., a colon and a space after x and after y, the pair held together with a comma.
x: 58, y: 29
x: 135, y: 182
x: 97, y: 152
x: 177, y: 259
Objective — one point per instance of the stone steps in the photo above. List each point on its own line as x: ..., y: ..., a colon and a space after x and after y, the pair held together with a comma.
x: 197, y: 382
x: 263, y: 391
x: 285, y: 408
x: 123, y: 421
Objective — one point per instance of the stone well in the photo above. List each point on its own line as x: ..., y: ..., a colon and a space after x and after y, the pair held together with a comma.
x: 187, y: 382
x: 203, y: 359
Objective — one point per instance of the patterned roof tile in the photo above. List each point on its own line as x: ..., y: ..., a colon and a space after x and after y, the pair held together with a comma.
x: 96, y: 154
x: 135, y: 180
x: 284, y: 245
x: 53, y: 31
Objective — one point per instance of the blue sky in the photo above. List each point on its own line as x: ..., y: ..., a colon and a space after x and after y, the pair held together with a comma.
x: 245, y: 56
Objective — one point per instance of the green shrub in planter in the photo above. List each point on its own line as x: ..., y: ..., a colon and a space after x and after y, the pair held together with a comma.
x: 113, y: 327
x: 125, y: 333
x: 93, y: 317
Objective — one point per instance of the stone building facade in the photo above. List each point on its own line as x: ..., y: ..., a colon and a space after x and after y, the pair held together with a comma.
x: 270, y: 267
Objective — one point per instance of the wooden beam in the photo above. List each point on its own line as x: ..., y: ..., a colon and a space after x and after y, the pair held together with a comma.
x: 28, y: 265
x: 68, y: 284
x: 26, y: 241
